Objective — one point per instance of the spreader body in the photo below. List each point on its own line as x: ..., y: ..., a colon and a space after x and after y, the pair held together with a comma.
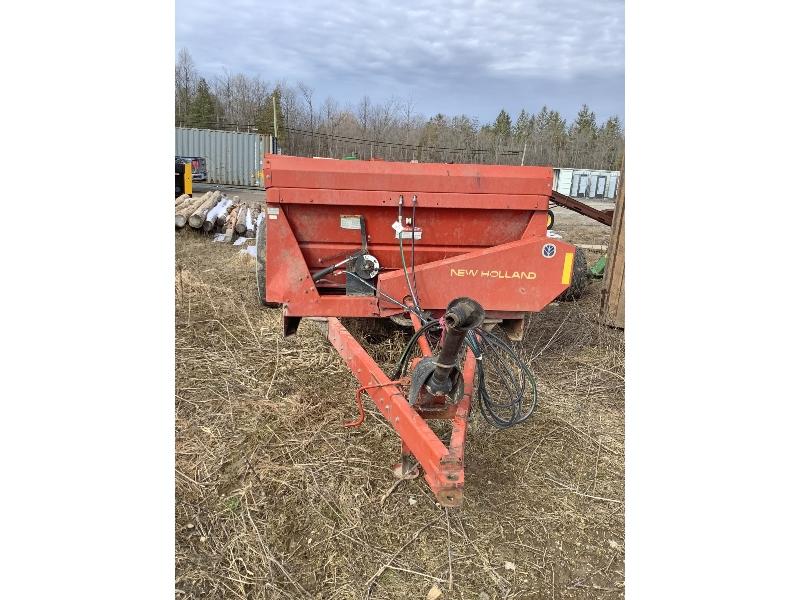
x: 479, y: 231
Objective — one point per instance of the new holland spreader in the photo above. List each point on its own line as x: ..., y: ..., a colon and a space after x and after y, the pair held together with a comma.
x: 459, y: 252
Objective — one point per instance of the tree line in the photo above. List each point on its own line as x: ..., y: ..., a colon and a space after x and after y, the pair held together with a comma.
x: 389, y: 130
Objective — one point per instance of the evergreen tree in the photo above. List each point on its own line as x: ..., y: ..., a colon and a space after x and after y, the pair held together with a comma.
x: 555, y: 137
x: 582, y: 136
x: 541, y: 118
x: 523, y: 127
x: 502, y: 125
x: 608, y: 145
x: 585, y: 121
x: 203, y: 107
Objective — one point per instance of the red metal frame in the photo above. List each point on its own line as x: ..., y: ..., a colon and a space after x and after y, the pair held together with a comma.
x: 443, y: 466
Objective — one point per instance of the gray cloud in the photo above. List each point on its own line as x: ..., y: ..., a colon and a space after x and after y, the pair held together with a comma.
x: 452, y: 56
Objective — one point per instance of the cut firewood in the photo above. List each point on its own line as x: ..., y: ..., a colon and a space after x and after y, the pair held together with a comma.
x: 222, y: 215
x: 182, y: 215
x: 241, y: 225
x: 250, y: 230
x: 198, y: 217
x: 211, y: 218
x: 188, y: 201
x: 230, y: 222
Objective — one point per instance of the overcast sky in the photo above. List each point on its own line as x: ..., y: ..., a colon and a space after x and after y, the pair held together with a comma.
x: 451, y: 56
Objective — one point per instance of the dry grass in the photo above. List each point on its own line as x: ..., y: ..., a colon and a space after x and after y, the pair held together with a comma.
x: 274, y: 498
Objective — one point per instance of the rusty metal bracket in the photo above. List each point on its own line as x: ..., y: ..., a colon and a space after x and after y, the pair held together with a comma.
x: 360, y: 403
x: 601, y: 216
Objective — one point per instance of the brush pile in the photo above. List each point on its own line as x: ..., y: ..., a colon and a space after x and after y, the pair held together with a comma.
x: 214, y: 212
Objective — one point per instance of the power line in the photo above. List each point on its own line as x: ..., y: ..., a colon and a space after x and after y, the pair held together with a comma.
x: 481, y: 153
x: 385, y: 143
x: 402, y: 145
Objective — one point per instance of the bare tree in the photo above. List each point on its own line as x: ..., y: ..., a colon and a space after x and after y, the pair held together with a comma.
x: 408, y: 113
x: 308, y: 95
x: 363, y: 116
x: 291, y: 117
x: 332, y: 118
x: 185, y: 84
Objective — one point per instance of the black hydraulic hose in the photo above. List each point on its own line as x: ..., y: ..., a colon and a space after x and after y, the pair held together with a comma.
x: 520, y: 387
x: 517, y: 397
x: 402, y: 364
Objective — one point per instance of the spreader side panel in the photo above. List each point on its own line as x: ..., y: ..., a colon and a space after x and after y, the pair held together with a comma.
x: 525, y: 275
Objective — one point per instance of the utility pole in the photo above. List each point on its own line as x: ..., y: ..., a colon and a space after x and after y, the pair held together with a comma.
x: 275, y: 120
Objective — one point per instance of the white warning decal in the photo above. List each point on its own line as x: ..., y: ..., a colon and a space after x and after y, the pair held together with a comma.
x: 350, y: 221
x: 405, y: 232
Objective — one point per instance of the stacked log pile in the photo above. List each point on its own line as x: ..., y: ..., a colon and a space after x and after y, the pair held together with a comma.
x: 214, y: 212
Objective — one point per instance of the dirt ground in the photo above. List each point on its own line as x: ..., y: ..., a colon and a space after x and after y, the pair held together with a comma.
x: 275, y: 499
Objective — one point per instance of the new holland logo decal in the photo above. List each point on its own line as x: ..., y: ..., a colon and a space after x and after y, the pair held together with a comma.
x: 492, y: 274
x: 549, y: 250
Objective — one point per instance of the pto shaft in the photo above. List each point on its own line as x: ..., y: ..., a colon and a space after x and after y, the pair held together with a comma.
x: 462, y: 315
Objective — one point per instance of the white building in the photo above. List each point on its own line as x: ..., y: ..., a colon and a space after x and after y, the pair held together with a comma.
x: 586, y: 183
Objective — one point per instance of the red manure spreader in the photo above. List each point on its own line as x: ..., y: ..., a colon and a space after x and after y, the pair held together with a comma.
x: 459, y: 252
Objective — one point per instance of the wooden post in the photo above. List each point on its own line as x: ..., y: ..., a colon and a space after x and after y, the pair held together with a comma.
x: 612, y: 302
x: 274, y: 122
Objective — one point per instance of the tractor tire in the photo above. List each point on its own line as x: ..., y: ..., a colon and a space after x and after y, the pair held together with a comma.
x: 261, y: 265
x: 551, y: 219
x: 580, y: 278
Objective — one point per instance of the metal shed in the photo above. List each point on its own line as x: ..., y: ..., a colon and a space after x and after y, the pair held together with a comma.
x: 232, y: 157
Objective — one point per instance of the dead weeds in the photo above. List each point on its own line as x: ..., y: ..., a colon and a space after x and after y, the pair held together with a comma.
x: 275, y: 499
